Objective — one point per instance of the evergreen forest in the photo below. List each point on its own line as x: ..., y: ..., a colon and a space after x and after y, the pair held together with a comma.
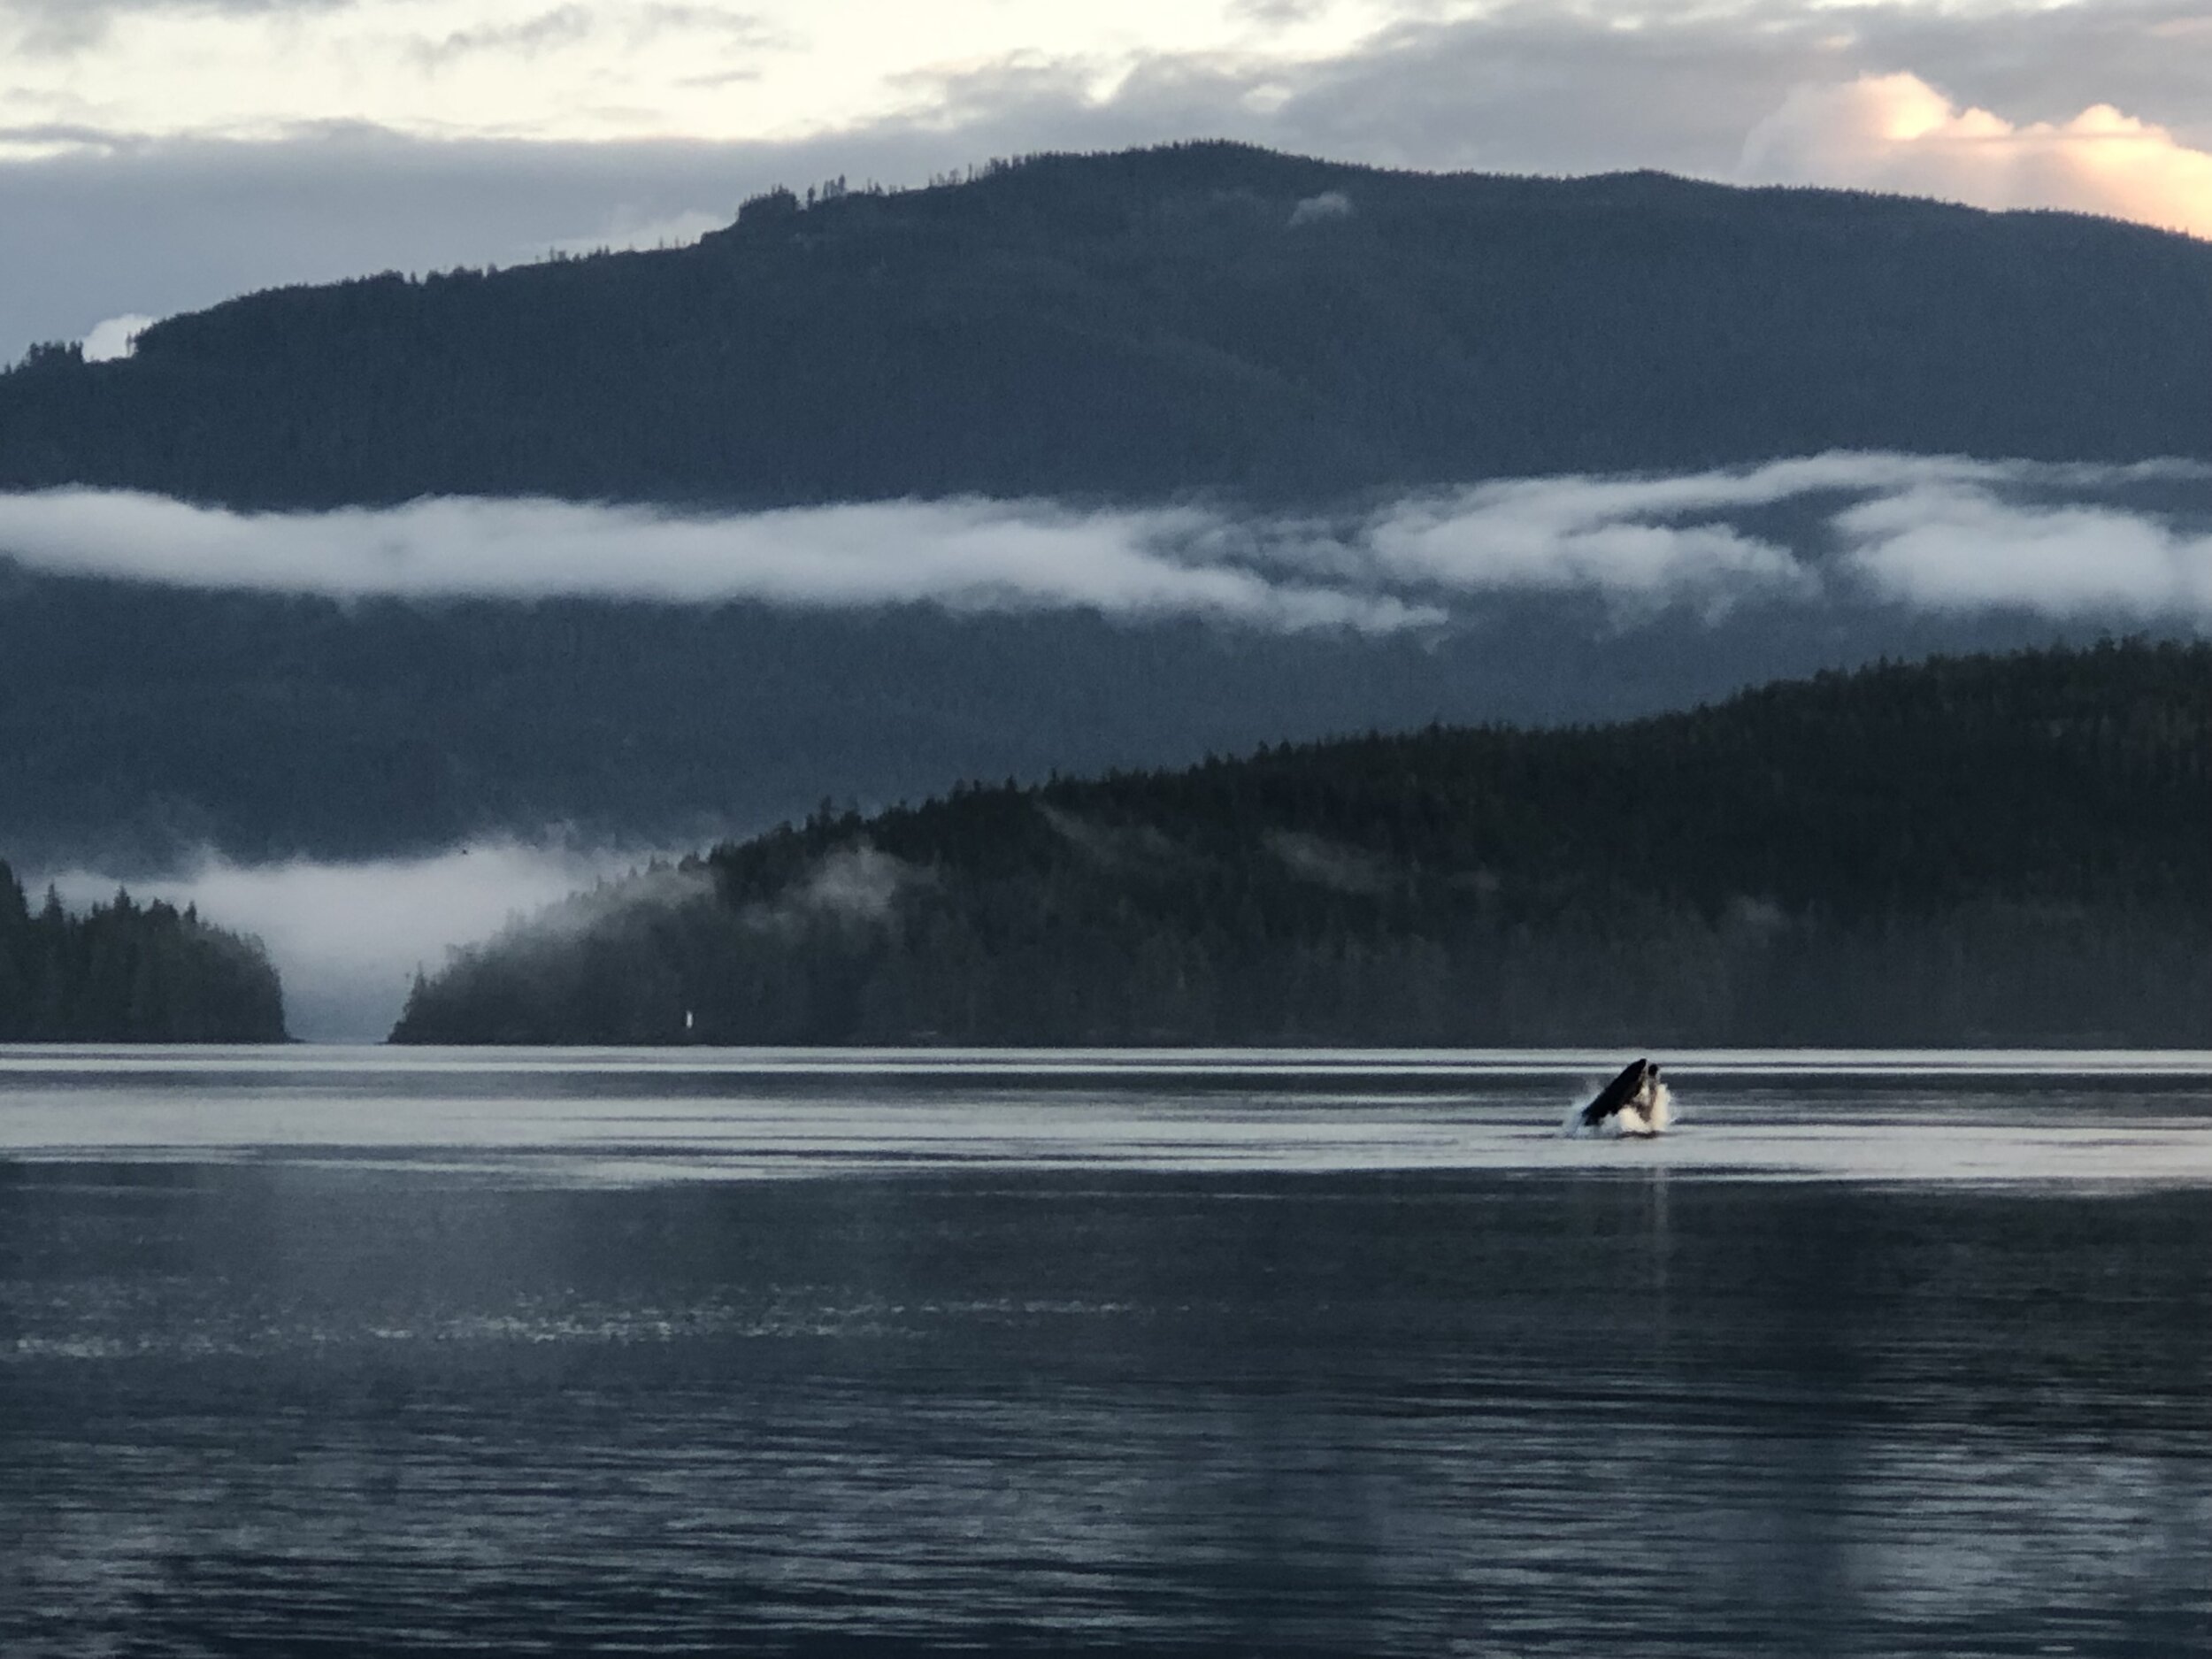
x: 1202, y: 316
x: 142, y: 726
x: 127, y: 973
x: 1982, y: 849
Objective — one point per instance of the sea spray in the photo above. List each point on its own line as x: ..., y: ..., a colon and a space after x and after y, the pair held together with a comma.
x: 1653, y: 1117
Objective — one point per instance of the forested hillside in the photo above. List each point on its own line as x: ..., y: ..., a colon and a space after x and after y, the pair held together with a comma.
x: 1207, y: 315
x: 1980, y: 849
x: 127, y: 973
x: 141, y: 726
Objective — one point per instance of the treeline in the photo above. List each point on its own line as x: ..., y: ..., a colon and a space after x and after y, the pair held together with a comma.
x: 129, y: 973
x: 141, y: 725
x: 1989, y: 850
x: 1200, y: 317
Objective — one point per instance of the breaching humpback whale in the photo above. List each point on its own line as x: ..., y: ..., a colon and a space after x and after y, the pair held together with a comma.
x: 1636, y: 1103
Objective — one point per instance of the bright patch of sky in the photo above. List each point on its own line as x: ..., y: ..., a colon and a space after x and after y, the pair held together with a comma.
x: 589, y: 69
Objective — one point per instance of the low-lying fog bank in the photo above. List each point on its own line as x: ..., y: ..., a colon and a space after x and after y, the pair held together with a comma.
x: 348, y: 938
x: 1942, y: 534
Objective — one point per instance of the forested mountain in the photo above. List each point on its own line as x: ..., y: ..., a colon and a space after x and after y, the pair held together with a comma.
x: 127, y: 973
x: 1980, y: 849
x: 1201, y: 316
x: 141, y: 726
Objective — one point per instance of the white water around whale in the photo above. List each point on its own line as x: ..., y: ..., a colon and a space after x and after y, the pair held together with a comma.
x: 1630, y: 1123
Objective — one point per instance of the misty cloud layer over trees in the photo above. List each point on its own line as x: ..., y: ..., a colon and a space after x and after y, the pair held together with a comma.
x: 2007, y: 849
x: 1137, y: 326
x: 127, y: 973
x: 180, y: 681
x: 2065, y: 540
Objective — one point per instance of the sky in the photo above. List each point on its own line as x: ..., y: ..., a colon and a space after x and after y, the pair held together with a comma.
x: 160, y: 155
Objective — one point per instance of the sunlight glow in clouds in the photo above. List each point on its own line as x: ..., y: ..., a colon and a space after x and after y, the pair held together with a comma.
x: 1897, y: 133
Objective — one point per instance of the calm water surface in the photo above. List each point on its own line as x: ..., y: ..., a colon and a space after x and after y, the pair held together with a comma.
x: 320, y: 1352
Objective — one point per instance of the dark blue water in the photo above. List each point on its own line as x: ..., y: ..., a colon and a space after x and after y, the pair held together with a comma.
x: 1318, y: 1361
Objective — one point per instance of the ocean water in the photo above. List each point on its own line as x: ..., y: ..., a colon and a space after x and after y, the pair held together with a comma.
x: 311, y: 1351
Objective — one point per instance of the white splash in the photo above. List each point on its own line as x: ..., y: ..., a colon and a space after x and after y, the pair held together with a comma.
x: 1634, y: 1122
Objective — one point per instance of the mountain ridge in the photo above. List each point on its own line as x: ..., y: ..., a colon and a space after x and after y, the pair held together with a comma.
x: 1151, y: 323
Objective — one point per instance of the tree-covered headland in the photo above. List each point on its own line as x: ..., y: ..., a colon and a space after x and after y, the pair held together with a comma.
x: 1985, y: 850
x: 129, y: 973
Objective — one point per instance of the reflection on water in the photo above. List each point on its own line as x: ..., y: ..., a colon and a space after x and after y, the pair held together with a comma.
x: 315, y: 1354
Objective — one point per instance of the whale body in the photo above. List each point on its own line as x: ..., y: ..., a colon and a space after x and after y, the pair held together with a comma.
x: 1636, y: 1103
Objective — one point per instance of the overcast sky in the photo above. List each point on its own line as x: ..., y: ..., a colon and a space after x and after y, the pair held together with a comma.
x: 158, y: 155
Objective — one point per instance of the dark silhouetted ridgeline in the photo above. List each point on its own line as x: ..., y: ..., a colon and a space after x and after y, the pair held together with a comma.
x: 1977, y: 849
x: 127, y: 973
x: 1201, y: 317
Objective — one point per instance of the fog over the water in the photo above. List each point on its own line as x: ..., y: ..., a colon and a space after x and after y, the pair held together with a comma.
x: 348, y: 938
x: 1949, y: 535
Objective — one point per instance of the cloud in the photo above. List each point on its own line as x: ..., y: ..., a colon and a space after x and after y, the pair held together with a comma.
x: 852, y: 886
x: 1329, y: 864
x: 1955, y: 547
x: 1277, y: 13
x: 1897, y: 133
x: 66, y: 25
x: 115, y: 337
x: 628, y: 230
x: 1619, y: 537
x: 965, y: 555
x: 1546, y: 83
x: 1525, y: 87
x: 2042, y: 63
x: 562, y: 26
x: 1139, y: 848
x: 346, y: 938
x: 1315, y: 210
x: 1930, y: 532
